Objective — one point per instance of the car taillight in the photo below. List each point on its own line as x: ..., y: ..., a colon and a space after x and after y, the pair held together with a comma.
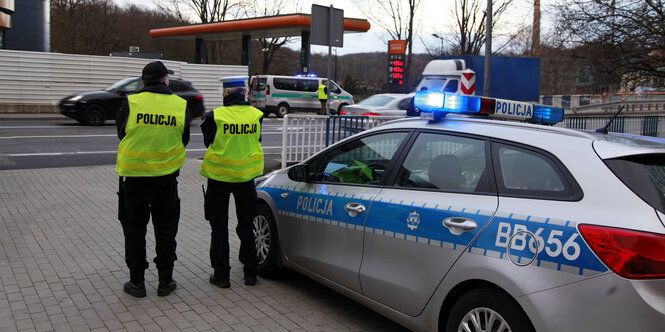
x: 267, y: 89
x: 630, y: 254
x: 371, y: 114
x: 342, y: 112
x: 199, y: 97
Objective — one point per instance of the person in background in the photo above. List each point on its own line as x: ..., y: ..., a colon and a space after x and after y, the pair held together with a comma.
x: 323, y: 96
x: 232, y: 134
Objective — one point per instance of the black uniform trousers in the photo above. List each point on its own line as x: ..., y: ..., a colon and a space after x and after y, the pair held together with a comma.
x: 143, y: 197
x: 217, y: 213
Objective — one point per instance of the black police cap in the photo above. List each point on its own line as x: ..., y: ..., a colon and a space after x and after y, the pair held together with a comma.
x: 155, y: 71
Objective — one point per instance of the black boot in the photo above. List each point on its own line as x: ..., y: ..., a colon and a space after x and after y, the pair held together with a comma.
x: 135, y: 286
x: 220, y: 278
x: 250, y: 278
x: 166, y: 287
x: 166, y: 282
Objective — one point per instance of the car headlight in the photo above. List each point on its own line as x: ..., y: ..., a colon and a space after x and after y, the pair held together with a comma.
x: 75, y: 98
x: 259, y: 179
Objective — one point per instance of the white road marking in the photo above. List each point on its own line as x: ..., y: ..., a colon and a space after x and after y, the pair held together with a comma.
x: 39, y: 154
x: 99, y: 135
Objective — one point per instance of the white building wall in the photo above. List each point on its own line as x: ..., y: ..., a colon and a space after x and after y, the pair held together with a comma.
x: 38, y: 79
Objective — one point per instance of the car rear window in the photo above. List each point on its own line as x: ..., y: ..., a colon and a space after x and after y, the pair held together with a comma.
x: 644, y: 175
x: 259, y: 84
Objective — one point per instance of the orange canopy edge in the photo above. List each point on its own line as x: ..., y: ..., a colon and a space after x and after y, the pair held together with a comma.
x: 270, y: 26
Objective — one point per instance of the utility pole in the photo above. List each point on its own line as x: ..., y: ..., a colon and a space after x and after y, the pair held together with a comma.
x: 488, y: 52
x: 535, y: 33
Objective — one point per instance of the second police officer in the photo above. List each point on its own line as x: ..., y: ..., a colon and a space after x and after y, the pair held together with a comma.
x: 234, y: 158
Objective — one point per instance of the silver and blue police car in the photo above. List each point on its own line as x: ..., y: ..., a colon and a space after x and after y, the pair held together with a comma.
x: 474, y: 224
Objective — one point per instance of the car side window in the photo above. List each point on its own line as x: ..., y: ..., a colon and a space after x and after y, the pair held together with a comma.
x: 445, y: 162
x: 528, y: 173
x: 175, y: 86
x: 285, y: 83
x: 309, y: 85
x: 334, y: 88
x: 451, y: 86
x: 133, y: 86
x: 361, y: 161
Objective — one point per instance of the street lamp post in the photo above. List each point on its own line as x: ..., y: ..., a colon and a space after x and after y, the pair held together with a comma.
x: 487, y: 89
x: 440, y: 38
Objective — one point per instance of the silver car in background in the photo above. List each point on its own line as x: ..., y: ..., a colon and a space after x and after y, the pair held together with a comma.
x: 383, y: 104
x: 466, y: 224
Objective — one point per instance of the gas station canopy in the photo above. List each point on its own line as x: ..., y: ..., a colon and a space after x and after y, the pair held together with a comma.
x: 261, y: 27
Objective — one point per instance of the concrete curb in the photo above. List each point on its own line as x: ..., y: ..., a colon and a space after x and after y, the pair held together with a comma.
x: 32, y: 117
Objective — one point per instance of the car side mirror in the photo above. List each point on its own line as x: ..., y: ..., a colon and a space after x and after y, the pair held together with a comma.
x: 299, y: 173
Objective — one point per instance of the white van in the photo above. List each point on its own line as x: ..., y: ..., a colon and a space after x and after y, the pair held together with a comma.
x: 284, y: 94
x: 445, y: 76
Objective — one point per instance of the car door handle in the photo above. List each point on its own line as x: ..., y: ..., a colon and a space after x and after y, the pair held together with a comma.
x: 457, y: 225
x: 354, y: 209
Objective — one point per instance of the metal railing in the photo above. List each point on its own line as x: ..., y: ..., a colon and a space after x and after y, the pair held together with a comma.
x: 653, y: 126
x: 304, y: 135
x: 641, y: 106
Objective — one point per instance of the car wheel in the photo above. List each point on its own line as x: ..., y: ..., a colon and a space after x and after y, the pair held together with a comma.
x: 94, y: 116
x: 282, y: 110
x: 487, y: 310
x: 267, y: 243
x: 339, y: 109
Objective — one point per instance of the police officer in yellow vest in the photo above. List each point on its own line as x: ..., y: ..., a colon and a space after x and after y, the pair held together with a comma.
x: 154, y: 129
x: 234, y: 158
x: 323, y: 96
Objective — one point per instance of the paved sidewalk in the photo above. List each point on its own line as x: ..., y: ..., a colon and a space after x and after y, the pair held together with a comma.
x: 62, y: 267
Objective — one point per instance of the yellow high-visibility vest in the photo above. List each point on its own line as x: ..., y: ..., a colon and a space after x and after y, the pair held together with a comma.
x: 322, y: 92
x: 235, y: 154
x: 153, y: 144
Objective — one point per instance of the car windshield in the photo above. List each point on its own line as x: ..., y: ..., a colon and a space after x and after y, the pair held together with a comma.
x: 376, y: 100
x: 432, y: 83
x: 644, y: 175
x: 119, y: 84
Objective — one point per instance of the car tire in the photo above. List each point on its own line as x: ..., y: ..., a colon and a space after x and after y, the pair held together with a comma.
x: 282, y: 110
x: 267, y: 241
x: 95, y: 115
x: 339, y: 109
x: 478, y: 307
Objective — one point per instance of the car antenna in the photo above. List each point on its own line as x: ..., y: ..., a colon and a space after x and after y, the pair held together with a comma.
x: 604, y: 129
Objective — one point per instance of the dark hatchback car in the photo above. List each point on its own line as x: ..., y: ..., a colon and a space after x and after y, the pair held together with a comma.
x: 95, y: 107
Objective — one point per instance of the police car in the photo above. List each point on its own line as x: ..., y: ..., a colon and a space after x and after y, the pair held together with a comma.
x: 468, y: 223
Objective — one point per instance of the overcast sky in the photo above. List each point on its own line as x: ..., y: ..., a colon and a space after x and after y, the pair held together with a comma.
x: 432, y: 17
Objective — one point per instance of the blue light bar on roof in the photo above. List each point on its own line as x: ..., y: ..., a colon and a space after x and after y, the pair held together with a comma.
x: 544, y: 114
x: 306, y: 75
x: 435, y: 105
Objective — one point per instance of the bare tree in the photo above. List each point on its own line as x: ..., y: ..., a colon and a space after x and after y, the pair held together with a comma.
x: 399, y: 26
x: 82, y: 26
x: 625, y: 39
x: 269, y: 45
x: 204, y: 11
x: 470, y: 24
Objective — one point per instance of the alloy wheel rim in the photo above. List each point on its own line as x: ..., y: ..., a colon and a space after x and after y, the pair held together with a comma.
x: 261, y: 238
x: 483, y: 320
